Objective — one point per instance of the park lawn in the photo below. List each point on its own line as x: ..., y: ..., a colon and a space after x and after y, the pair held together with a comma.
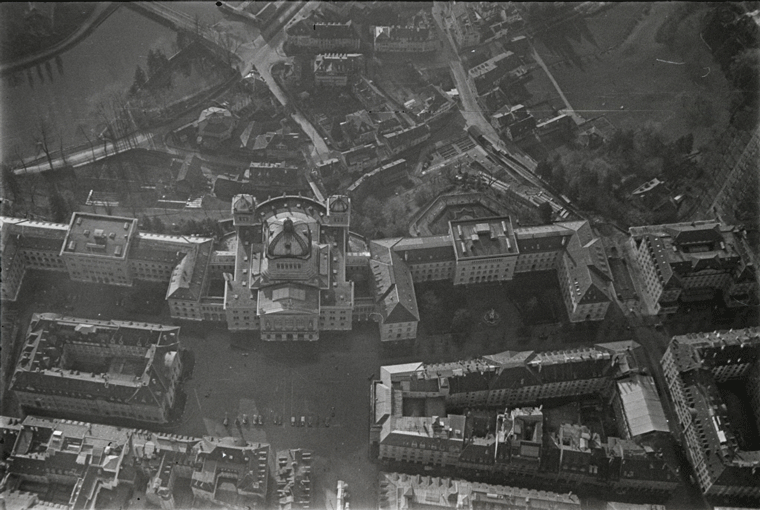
x: 630, y: 76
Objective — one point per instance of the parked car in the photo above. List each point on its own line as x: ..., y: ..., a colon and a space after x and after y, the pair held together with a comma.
x: 292, y: 421
x: 303, y: 421
x: 310, y: 421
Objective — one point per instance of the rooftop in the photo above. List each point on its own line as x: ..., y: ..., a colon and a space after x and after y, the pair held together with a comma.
x: 483, y: 237
x: 103, y: 236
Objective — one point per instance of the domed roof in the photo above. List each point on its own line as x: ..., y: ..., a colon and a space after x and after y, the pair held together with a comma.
x: 339, y: 205
x: 243, y: 203
x: 288, y: 239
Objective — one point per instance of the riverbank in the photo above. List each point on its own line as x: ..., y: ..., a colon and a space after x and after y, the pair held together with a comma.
x: 101, y: 13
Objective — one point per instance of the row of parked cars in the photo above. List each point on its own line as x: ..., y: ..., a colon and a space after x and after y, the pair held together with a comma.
x: 308, y: 421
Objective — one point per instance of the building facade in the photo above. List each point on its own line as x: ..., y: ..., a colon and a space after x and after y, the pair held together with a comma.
x: 682, y: 262
x: 320, y: 36
x: 412, y: 419
x: 405, y: 492
x: 696, y: 367
x: 284, y: 270
x: 54, y: 463
x: 98, y: 368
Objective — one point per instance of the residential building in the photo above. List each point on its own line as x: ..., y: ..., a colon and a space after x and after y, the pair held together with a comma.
x: 463, y: 25
x: 293, y: 478
x: 190, y: 178
x: 98, y: 368
x: 278, y: 145
x: 490, y: 73
x: 683, y: 262
x: 698, y: 368
x: 411, y: 418
x: 516, y: 122
x: 359, y: 128
x: 66, y: 464
x: 430, y: 106
x: 399, y: 141
x: 360, y: 158
x: 319, y: 36
x: 561, y: 125
x: 215, y: 126
x: 334, y: 69
x: 406, y: 492
x: 230, y: 474
x: 418, y: 37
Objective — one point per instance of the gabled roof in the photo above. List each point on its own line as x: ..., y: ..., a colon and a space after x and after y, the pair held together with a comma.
x: 641, y: 405
x: 392, y: 284
x: 407, y: 135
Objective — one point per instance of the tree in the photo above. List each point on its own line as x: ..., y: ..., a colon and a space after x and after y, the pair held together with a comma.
x: 146, y: 224
x: 545, y: 212
x: 139, y: 81
x: 373, y: 210
x: 59, y: 209
x: 10, y: 182
x: 685, y: 144
x: 158, y: 225
x: 745, y: 74
x: 544, y: 170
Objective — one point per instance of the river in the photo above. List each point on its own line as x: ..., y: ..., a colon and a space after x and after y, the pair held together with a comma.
x: 63, y: 94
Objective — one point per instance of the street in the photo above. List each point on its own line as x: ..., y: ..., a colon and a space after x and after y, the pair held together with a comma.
x: 262, y: 55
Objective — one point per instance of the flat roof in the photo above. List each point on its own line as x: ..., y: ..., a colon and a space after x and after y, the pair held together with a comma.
x: 103, y: 236
x: 483, y: 237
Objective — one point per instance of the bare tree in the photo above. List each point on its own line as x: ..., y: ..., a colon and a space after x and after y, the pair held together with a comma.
x: 41, y: 140
x: 92, y: 148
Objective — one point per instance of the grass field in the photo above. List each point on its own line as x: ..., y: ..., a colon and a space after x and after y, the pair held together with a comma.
x: 617, y: 66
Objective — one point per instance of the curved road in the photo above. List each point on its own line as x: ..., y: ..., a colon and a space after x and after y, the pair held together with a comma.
x: 102, y: 11
x: 259, y: 54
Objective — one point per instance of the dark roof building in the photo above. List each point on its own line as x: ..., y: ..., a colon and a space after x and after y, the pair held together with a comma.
x: 323, y: 36
x: 97, y: 368
x: 696, y: 366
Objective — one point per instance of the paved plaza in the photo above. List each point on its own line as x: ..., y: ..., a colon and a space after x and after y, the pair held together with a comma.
x: 238, y: 374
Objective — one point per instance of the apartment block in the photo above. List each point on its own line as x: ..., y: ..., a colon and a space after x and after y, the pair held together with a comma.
x: 65, y: 464
x: 684, y: 262
x: 417, y: 417
x: 704, y: 372
x: 93, y: 368
x: 406, y: 492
